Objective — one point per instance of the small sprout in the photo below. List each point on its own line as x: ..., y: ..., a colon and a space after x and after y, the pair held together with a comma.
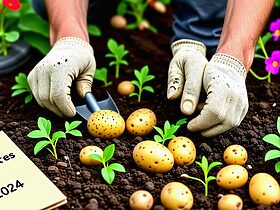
x: 274, y: 139
x: 22, y: 86
x: 206, y: 169
x: 101, y: 75
x: 142, y: 77
x: 44, y: 132
x: 108, y: 171
x: 141, y: 199
x: 125, y: 88
x: 169, y: 130
x: 117, y: 52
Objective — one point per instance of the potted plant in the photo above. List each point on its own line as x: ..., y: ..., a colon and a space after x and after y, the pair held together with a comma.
x: 13, y: 51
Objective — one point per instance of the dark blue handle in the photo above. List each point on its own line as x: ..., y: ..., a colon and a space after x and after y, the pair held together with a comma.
x: 91, y: 102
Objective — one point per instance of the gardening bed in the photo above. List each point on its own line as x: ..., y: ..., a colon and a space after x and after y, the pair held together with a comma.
x: 84, y: 186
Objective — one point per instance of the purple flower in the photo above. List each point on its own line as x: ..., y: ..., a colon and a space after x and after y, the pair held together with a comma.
x: 275, y: 29
x: 273, y: 63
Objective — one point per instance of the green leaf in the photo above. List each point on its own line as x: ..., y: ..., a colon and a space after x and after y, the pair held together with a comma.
x: 37, y: 41
x: 210, y: 178
x: 159, y: 130
x: 157, y: 138
x: 108, y: 175
x: 205, y: 162
x: 278, y: 124
x: 135, y: 82
x: 213, y: 164
x: 108, y: 152
x: 110, y: 55
x: 101, y: 74
x: 12, y: 36
x: 31, y: 22
x: 28, y: 98
x: 166, y: 126
x: 112, y: 45
x: 124, y: 62
x: 44, y: 125
x: 117, y: 167
x: 272, y: 139
x: 57, y: 135
x: 259, y: 56
x: 265, y: 39
x: 138, y: 76
x: 133, y: 94
x: 94, y: 30
x: 148, y: 88
x: 121, y: 8
x: 277, y: 167
x: 36, y: 134
x: 72, y: 125
x: 182, y: 121
x: 96, y: 157
x: 75, y: 133
x: 131, y: 26
x: 272, y: 154
x: 19, y: 91
x: 40, y: 145
x: 66, y: 125
x: 148, y: 78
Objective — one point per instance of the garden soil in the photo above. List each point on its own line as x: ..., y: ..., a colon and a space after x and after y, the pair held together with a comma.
x: 84, y: 186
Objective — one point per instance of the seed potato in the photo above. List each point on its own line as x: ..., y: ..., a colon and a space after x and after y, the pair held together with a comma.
x: 141, y: 200
x: 264, y: 189
x: 105, y: 124
x: 232, y: 177
x: 153, y: 157
x: 230, y: 202
x: 235, y: 154
x: 118, y: 21
x: 141, y: 122
x: 183, y: 150
x: 125, y: 88
x: 176, y: 195
x: 89, y: 150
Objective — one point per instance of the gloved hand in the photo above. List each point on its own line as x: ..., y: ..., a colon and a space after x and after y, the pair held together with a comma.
x: 185, y: 73
x: 51, y: 79
x: 227, y: 100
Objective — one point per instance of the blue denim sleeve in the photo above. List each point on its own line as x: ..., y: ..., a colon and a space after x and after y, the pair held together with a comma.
x: 200, y: 20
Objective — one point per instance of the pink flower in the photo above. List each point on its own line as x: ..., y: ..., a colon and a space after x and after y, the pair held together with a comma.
x: 275, y: 29
x: 273, y: 63
x: 12, y: 4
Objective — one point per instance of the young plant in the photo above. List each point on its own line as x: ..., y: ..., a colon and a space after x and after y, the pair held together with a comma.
x: 21, y: 87
x: 108, y: 171
x: 272, y: 63
x: 135, y: 8
x: 8, y: 9
x: 274, y: 139
x: 44, y: 132
x: 205, y: 168
x: 169, y: 130
x: 142, y: 77
x: 117, y: 52
x: 102, y: 75
x: 94, y: 30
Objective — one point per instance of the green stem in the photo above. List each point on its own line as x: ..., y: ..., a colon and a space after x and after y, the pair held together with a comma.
x: 3, y: 50
x: 117, y: 70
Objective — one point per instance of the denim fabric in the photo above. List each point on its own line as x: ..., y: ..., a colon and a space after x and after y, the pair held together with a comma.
x: 40, y: 9
x: 200, y: 20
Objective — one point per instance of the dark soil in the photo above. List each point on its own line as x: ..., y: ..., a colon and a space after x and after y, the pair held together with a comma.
x: 84, y: 186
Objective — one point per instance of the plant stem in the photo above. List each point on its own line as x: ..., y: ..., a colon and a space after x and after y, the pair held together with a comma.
x: 117, y: 70
x: 2, y: 33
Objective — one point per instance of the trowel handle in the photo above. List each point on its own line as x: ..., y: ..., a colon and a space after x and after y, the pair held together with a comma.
x: 91, y: 102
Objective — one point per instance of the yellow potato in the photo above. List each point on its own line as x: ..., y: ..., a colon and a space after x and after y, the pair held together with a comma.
x: 125, y: 88
x: 153, y: 157
x: 264, y: 189
x: 183, y: 150
x: 141, y: 122
x: 118, y: 21
x: 141, y: 200
x: 105, y: 124
x: 230, y: 202
x: 235, y: 154
x: 232, y: 177
x: 88, y: 150
x: 176, y: 195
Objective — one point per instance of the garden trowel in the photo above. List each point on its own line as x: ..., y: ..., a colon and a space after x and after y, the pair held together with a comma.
x: 92, y: 105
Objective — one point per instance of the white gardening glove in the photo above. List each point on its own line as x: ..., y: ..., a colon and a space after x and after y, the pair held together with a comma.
x: 227, y: 100
x: 186, y: 72
x: 51, y: 79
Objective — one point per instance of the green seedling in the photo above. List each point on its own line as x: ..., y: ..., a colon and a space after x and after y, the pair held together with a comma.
x: 108, y: 171
x: 205, y: 168
x: 44, y: 132
x: 142, y: 77
x: 102, y: 75
x: 21, y: 87
x: 136, y: 9
x: 117, y: 52
x: 168, y: 131
x: 94, y: 30
x: 274, y: 139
